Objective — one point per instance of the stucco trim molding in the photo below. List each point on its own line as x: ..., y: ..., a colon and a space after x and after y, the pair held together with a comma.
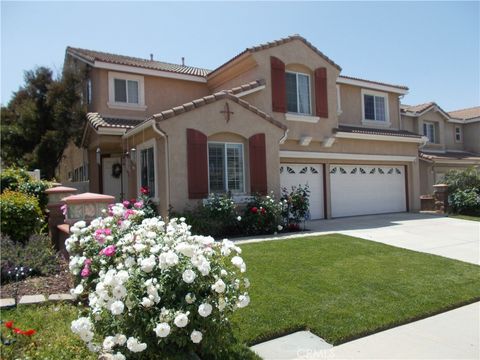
x: 344, y: 156
x: 370, y: 85
x: 348, y: 135
x: 247, y: 92
x: 302, y: 118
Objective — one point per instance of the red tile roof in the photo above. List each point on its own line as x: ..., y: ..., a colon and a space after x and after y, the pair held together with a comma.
x: 374, y: 131
x: 97, y: 120
x: 403, y: 87
x: 223, y: 95
x: 466, y: 114
x: 416, y: 108
x: 91, y: 56
x: 277, y: 43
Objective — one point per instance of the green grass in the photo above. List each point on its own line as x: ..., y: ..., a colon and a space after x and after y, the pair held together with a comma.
x: 337, y: 286
x: 342, y: 287
x: 53, y: 339
x: 465, y: 217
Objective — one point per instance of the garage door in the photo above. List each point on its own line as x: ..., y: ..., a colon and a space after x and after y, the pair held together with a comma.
x: 367, y: 189
x: 302, y: 174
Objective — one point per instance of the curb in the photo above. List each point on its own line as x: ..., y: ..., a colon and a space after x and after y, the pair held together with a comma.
x: 35, y: 299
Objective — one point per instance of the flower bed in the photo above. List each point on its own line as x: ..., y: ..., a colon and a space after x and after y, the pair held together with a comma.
x: 152, y: 288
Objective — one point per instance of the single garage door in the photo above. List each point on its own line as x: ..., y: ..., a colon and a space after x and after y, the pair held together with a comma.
x: 305, y: 174
x: 367, y: 189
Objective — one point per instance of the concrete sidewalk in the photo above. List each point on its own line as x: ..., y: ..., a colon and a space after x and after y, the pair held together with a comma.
x: 451, y: 335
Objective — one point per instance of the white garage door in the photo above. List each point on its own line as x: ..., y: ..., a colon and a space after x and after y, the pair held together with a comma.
x: 367, y: 189
x: 302, y: 174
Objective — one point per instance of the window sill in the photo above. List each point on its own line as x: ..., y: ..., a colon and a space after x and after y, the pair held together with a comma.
x: 376, y: 123
x: 302, y: 118
x: 123, y: 106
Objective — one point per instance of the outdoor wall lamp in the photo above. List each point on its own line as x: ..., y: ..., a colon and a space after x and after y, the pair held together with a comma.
x: 133, y: 153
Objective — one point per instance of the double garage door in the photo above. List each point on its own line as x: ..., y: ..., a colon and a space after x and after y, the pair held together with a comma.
x: 354, y: 189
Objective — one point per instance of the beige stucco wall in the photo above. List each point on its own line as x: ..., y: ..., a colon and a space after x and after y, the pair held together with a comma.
x: 409, y: 123
x: 73, y: 157
x: 160, y: 94
x: 351, y: 106
x: 471, y: 137
x: 208, y: 119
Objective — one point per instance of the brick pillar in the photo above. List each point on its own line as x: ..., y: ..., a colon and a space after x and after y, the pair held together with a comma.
x: 440, y: 193
x: 55, y: 214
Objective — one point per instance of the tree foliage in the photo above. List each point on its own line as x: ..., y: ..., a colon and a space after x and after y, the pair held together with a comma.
x: 43, y: 115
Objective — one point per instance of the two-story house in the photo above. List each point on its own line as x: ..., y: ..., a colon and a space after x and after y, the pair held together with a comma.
x: 274, y: 116
x: 453, y: 140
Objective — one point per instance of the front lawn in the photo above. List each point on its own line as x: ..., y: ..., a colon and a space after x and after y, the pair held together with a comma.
x: 337, y: 286
x: 465, y: 217
x: 342, y: 287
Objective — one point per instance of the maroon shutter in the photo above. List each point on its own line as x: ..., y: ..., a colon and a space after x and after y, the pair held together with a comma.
x: 197, y: 164
x: 279, y: 92
x: 258, y: 164
x: 321, y: 97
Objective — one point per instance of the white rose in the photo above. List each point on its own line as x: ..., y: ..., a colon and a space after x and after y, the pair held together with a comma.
x: 243, y: 300
x: 205, y: 309
x: 196, y: 336
x: 135, y: 346
x: 146, y: 302
x: 280, y: 227
x: 188, y: 276
x: 80, y: 224
x: 171, y: 258
x: 162, y: 329
x: 148, y: 264
x: 190, y: 298
x: 237, y: 261
x: 117, y: 307
x: 119, y: 356
x: 109, y: 343
x: 120, y: 339
x: 219, y: 286
x: 181, y: 320
x: 221, y: 304
x: 119, y: 292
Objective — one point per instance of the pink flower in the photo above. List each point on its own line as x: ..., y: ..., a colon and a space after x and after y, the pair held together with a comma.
x: 109, y: 250
x: 85, y: 272
x: 126, y: 203
x: 128, y: 213
x: 100, y: 236
x: 64, y: 209
x: 138, y: 204
x: 87, y: 262
x: 144, y: 190
x: 107, y: 232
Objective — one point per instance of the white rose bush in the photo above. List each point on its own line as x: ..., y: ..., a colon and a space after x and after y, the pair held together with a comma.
x: 152, y: 289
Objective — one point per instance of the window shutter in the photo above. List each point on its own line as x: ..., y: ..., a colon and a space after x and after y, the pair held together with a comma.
x: 321, y: 97
x: 279, y: 92
x: 197, y: 164
x: 258, y: 164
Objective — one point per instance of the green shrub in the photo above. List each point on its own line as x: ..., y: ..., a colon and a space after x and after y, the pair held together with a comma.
x: 37, y: 254
x: 296, y: 201
x: 263, y: 215
x: 21, y: 215
x: 16, y: 179
x: 11, y: 178
x: 464, y: 191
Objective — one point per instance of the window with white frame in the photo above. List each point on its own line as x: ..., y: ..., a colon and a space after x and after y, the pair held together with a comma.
x: 89, y: 91
x: 126, y: 90
x: 298, y: 93
x: 375, y: 106
x: 226, y: 167
x: 429, y: 131
x: 147, y: 170
x: 458, y: 134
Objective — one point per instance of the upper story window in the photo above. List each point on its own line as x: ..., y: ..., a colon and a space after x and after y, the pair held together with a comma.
x: 89, y: 91
x: 375, y: 107
x: 126, y: 91
x: 226, y: 167
x: 298, y: 93
x: 429, y: 131
x: 458, y: 134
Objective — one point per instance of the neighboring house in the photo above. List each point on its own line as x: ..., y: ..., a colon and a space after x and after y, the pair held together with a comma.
x: 453, y: 140
x: 276, y: 115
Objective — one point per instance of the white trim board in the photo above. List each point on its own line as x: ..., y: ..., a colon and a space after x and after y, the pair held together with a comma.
x: 369, y: 85
x: 247, y: 92
x: 347, y: 135
x: 342, y: 156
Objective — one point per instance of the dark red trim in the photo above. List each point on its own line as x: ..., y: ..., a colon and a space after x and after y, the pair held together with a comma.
x: 258, y: 164
x: 197, y: 164
x: 279, y: 86
x: 321, y: 94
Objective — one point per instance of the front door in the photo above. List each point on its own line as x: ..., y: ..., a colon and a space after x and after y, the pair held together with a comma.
x: 114, y: 179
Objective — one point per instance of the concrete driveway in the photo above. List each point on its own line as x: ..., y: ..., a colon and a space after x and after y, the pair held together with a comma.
x: 449, y: 237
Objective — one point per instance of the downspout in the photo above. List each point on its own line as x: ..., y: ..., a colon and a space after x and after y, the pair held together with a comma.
x: 400, y: 122
x: 284, y: 137
x: 167, y: 161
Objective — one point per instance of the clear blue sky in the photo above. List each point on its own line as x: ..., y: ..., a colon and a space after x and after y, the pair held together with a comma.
x: 432, y: 47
